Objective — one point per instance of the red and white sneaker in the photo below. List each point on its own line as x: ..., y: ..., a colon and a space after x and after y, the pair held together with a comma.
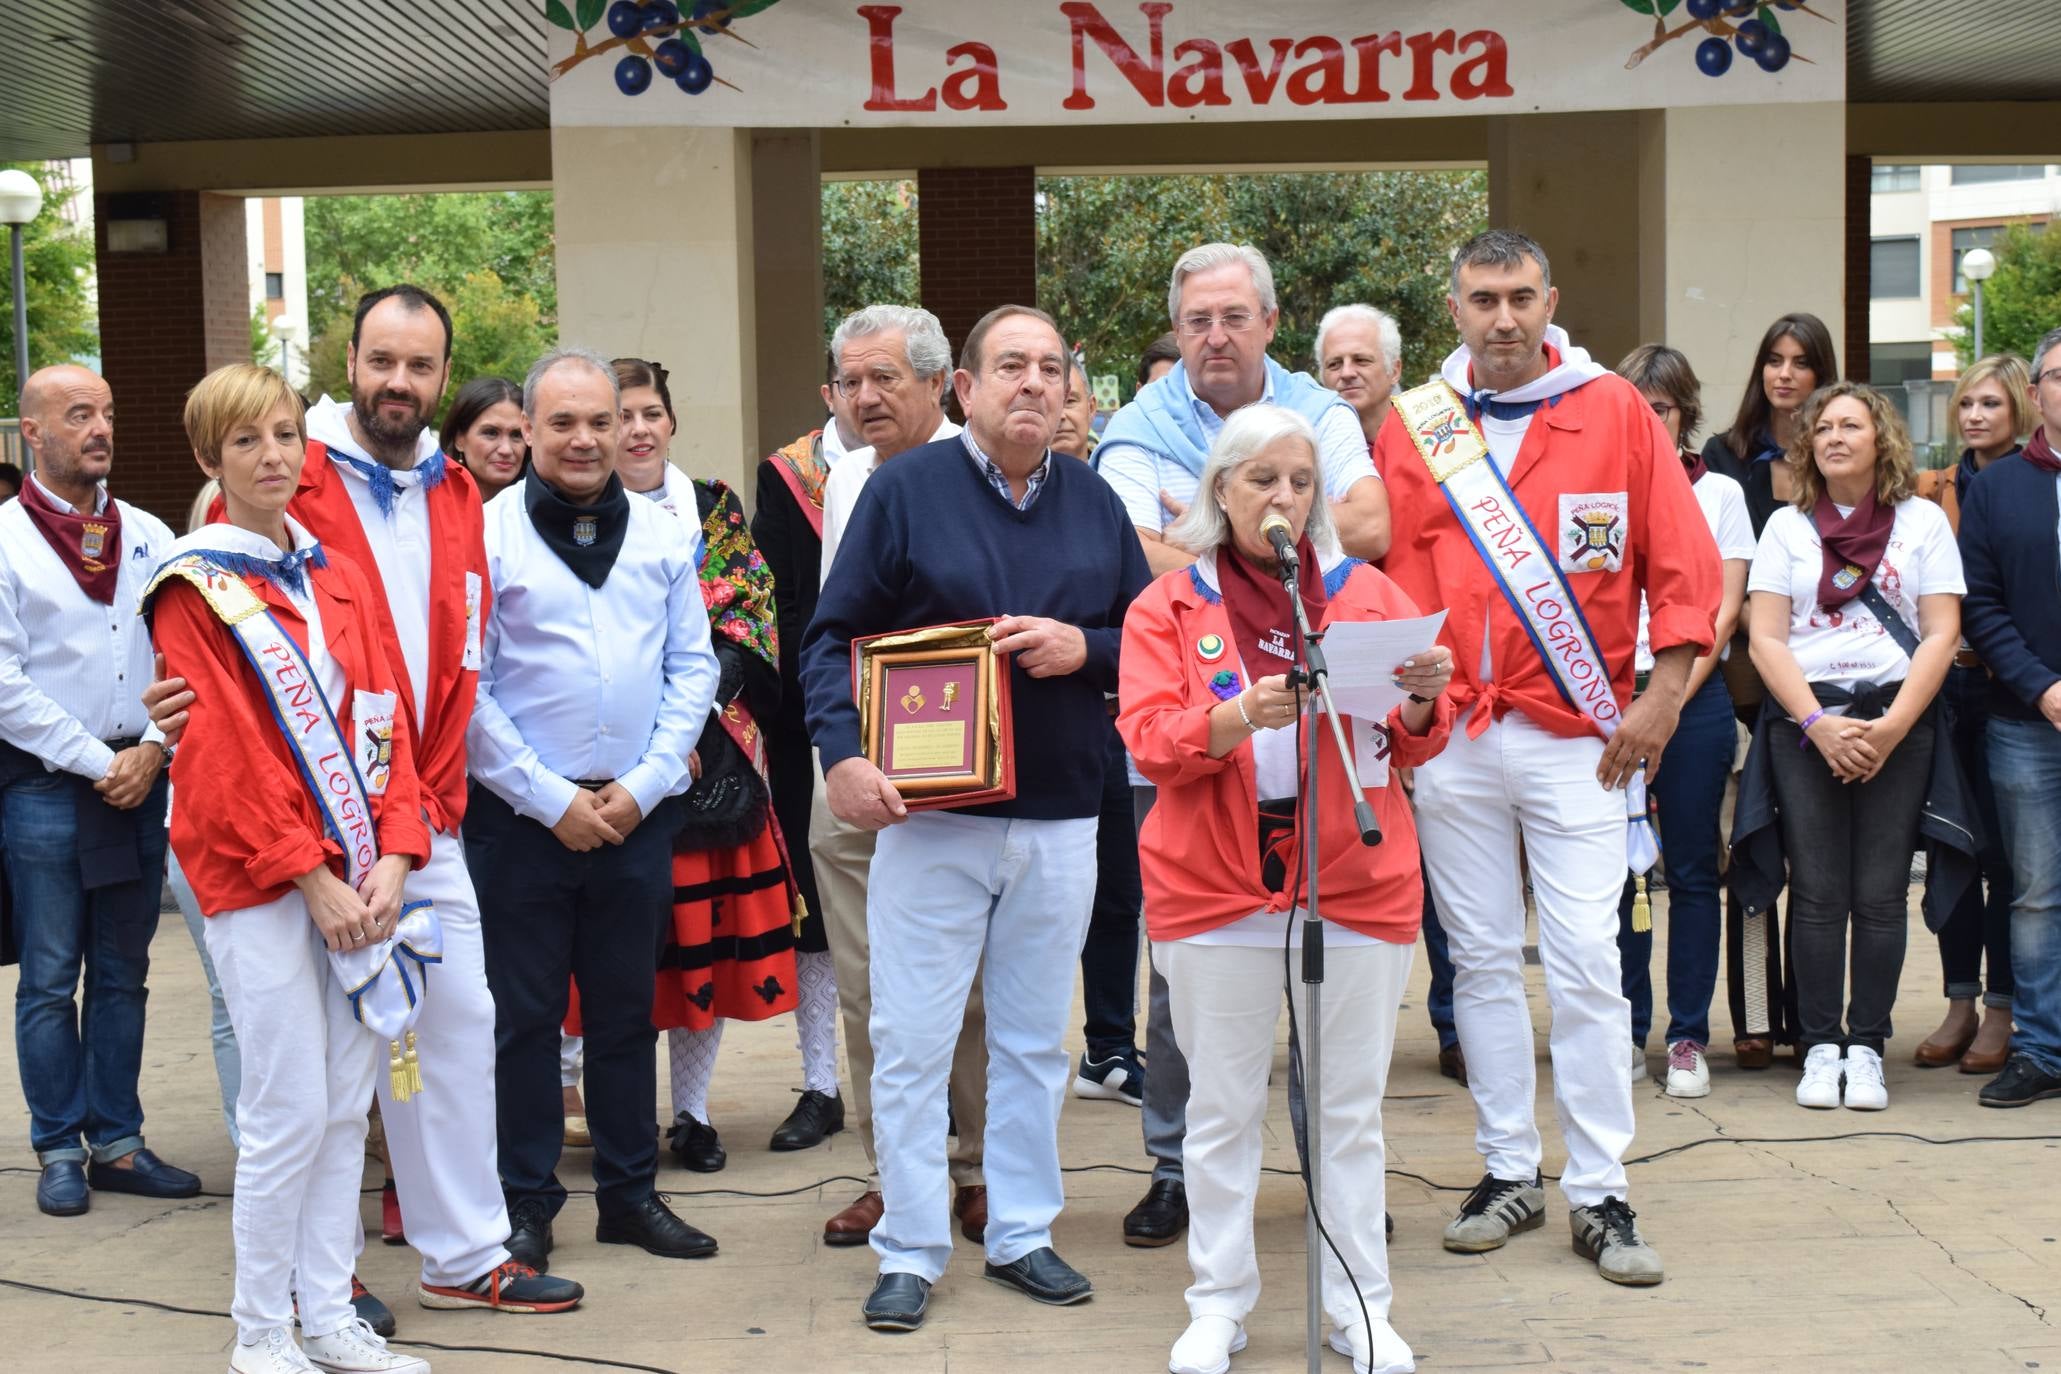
x: 512, y: 1287
x: 1688, y: 1072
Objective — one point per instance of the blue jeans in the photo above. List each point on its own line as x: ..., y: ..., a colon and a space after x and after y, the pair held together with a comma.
x: 79, y: 1059
x: 1978, y: 924
x: 221, y: 1034
x: 2025, y: 770
x: 1689, y: 792
x: 1438, y: 1002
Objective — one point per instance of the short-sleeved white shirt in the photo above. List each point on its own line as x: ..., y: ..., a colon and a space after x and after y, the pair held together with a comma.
x: 1848, y: 646
x: 1724, y: 508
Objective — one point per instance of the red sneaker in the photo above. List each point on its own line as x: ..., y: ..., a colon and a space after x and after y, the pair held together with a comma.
x: 390, y: 1229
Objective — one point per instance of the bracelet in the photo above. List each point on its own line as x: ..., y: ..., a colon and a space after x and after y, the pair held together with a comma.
x: 1804, y: 730
x: 1239, y: 700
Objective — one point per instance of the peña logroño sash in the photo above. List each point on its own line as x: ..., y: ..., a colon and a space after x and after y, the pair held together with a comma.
x: 385, y: 996
x: 1524, y: 570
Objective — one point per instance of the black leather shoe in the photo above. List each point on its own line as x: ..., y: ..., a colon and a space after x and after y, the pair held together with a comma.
x: 897, y: 1303
x: 815, y: 1117
x: 651, y: 1225
x: 1044, y: 1276
x: 2021, y: 1082
x: 696, y: 1145
x: 62, y: 1191
x: 1160, y: 1216
x: 151, y: 1177
x: 529, y: 1234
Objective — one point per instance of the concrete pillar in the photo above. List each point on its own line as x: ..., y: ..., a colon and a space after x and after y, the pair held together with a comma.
x: 166, y: 320
x: 787, y: 213
x: 977, y: 236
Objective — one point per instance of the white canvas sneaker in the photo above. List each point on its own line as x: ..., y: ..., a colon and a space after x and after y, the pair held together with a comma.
x: 355, y: 1348
x: 1207, y: 1346
x: 1819, y: 1087
x: 1865, y: 1090
x: 1638, y: 1064
x: 1381, y: 1352
x: 1688, y: 1071
x: 275, y: 1354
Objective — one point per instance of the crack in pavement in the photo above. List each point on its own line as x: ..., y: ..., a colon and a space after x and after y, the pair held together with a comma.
x: 2039, y: 1313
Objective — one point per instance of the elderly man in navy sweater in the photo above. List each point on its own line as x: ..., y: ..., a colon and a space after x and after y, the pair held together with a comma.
x: 982, y: 524
x: 2011, y: 550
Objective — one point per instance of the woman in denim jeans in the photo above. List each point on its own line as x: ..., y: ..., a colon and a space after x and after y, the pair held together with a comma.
x: 1855, y: 619
x: 1688, y: 783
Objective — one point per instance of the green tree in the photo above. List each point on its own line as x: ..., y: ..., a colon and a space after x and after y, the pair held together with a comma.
x: 869, y: 247
x: 2023, y: 300
x: 496, y: 331
x: 57, y: 262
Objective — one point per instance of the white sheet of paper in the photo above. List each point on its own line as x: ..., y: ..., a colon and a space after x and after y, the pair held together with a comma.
x: 1363, y: 656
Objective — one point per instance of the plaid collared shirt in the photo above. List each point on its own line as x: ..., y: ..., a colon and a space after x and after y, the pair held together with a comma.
x: 999, y: 479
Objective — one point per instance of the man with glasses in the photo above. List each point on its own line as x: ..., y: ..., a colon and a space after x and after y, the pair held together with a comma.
x: 2011, y: 550
x: 891, y: 363
x: 1221, y: 300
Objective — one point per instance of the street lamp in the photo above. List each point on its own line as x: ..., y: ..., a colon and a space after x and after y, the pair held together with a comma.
x: 286, y: 328
x: 21, y: 200
x: 1978, y: 265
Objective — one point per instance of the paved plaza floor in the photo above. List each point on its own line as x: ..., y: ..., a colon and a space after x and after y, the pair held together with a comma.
x: 1926, y: 1237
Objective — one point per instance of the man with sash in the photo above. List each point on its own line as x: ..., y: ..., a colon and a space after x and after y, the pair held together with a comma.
x: 1224, y: 313
x: 1537, y: 497
x: 82, y: 796
x: 595, y: 679
x: 377, y: 488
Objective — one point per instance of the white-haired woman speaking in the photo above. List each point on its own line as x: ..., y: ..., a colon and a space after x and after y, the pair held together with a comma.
x: 1210, y: 715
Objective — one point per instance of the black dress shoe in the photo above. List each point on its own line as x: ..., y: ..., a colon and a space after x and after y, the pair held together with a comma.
x: 2021, y: 1082
x: 150, y: 1177
x: 1044, y: 1276
x: 1160, y: 1216
x: 897, y: 1303
x: 815, y: 1117
x: 696, y: 1145
x: 529, y: 1234
x: 62, y: 1191
x: 652, y: 1225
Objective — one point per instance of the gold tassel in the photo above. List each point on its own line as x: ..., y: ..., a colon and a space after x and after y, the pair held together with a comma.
x: 801, y: 914
x: 1642, y: 909
x: 414, y: 1070
x: 397, y: 1072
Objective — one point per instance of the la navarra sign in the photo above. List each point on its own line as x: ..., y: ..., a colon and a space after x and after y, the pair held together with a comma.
x: 764, y: 63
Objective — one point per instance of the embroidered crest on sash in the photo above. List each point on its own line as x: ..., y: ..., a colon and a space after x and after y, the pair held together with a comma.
x: 1848, y: 575
x: 1593, y: 530
x: 585, y: 530
x: 92, y: 544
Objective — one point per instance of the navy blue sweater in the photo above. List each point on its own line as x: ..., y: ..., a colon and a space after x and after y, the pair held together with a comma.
x: 931, y: 542
x: 2012, y: 557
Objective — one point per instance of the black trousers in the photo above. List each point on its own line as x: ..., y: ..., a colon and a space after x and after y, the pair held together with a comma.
x: 1109, y: 955
x: 550, y: 916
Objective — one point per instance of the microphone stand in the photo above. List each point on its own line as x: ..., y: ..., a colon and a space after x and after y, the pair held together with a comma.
x: 1317, y: 674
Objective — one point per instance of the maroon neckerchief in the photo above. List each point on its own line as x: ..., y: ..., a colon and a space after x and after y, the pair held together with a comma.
x: 1260, y: 614
x: 1853, y: 546
x: 90, y: 546
x: 1693, y: 464
x: 2040, y: 453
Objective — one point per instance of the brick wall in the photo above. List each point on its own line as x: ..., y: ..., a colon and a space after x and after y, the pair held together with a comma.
x: 978, y: 238
x: 166, y: 320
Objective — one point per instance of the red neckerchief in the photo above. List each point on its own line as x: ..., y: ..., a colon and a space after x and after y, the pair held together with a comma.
x: 89, y: 545
x: 1853, y: 546
x: 1262, y: 621
x: 2040, y: 453
x: 1693, y: 464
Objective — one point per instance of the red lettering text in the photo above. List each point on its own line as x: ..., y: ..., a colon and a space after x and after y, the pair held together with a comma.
x: 880, y: 38
x: 1147, y: 78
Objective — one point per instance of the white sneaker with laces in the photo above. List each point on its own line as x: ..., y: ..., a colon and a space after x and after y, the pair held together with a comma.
x: 1865, y: 1090
x: 1638, y: 1064
x: 275, y: 1354
x: 1819, y: 1087
x: 1207, y: 1346
x: 355, y: 1348
x: 1384, y: 1352
x: 1688, y: 1072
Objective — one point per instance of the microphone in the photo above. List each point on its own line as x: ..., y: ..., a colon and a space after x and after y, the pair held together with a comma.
x: 1275, y: 530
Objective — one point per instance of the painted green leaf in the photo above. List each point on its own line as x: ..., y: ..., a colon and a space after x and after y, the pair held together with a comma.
x: 1767, y: 16
x: 687, y: 36
x: 740, y: 8
x: 591, y: 12
x: 556, y: 13
x: 1667, y: 7
x: 1639, y: 6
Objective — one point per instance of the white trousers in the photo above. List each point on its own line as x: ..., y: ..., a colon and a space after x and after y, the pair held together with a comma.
x: 301, y: 1110
x: 1226, y: 1003
x: 947, y: 890
x: 1473, y: 802
x: 442, y: 1141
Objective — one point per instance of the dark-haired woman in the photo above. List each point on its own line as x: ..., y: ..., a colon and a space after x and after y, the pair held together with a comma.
x: 1795, y: 359
x: 483, y: 431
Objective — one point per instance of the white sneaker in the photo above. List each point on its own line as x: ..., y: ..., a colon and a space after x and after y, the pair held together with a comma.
x: 1207, y: 1346
x: 1688, y: 1072
x: 1382, y: 1353
x: 275, y: 1354
x: 1819, y: 1087
x: 1865, y: 1090
x: 355, y: 1348
x: 1638, y: 1065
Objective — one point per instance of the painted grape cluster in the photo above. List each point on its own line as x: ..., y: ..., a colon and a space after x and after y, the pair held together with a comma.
x: 1744, y: 30
x: 654, y: 38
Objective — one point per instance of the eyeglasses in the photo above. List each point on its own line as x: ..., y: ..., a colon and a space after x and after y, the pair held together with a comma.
x: 1663, y: 409
x: 2053, y: 373
x: 1233, y: 321
x: 886, y: 383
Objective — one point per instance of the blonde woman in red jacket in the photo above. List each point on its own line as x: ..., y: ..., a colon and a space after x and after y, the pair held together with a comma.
x: 1210, y: 717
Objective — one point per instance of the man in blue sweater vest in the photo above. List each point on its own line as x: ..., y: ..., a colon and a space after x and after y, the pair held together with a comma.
x: 982, y: 524
x: 2011, y: 551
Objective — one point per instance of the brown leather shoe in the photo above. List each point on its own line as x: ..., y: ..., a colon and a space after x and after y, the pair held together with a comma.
x: 1452, y: 1062
x: 970, y: 1205
x: 1991, y: 1047
x: 1754, y: 1052
x: 1937, y: 1054
x: 855, y: 1223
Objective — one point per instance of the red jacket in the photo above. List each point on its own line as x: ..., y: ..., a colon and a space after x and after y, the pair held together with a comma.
x: 243, y: 825
x: 1600, y: 438
x: 458, y: 546
x: 1199, y: 850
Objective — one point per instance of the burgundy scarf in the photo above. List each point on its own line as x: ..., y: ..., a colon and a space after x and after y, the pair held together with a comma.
x: 2040, y: 453
x: 1262, y: 621
x: 1853, y: 546
x: 1693, y: 464
x: 90, y: 546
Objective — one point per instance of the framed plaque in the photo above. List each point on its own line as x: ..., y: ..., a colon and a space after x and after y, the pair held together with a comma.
x: 934, y: 714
